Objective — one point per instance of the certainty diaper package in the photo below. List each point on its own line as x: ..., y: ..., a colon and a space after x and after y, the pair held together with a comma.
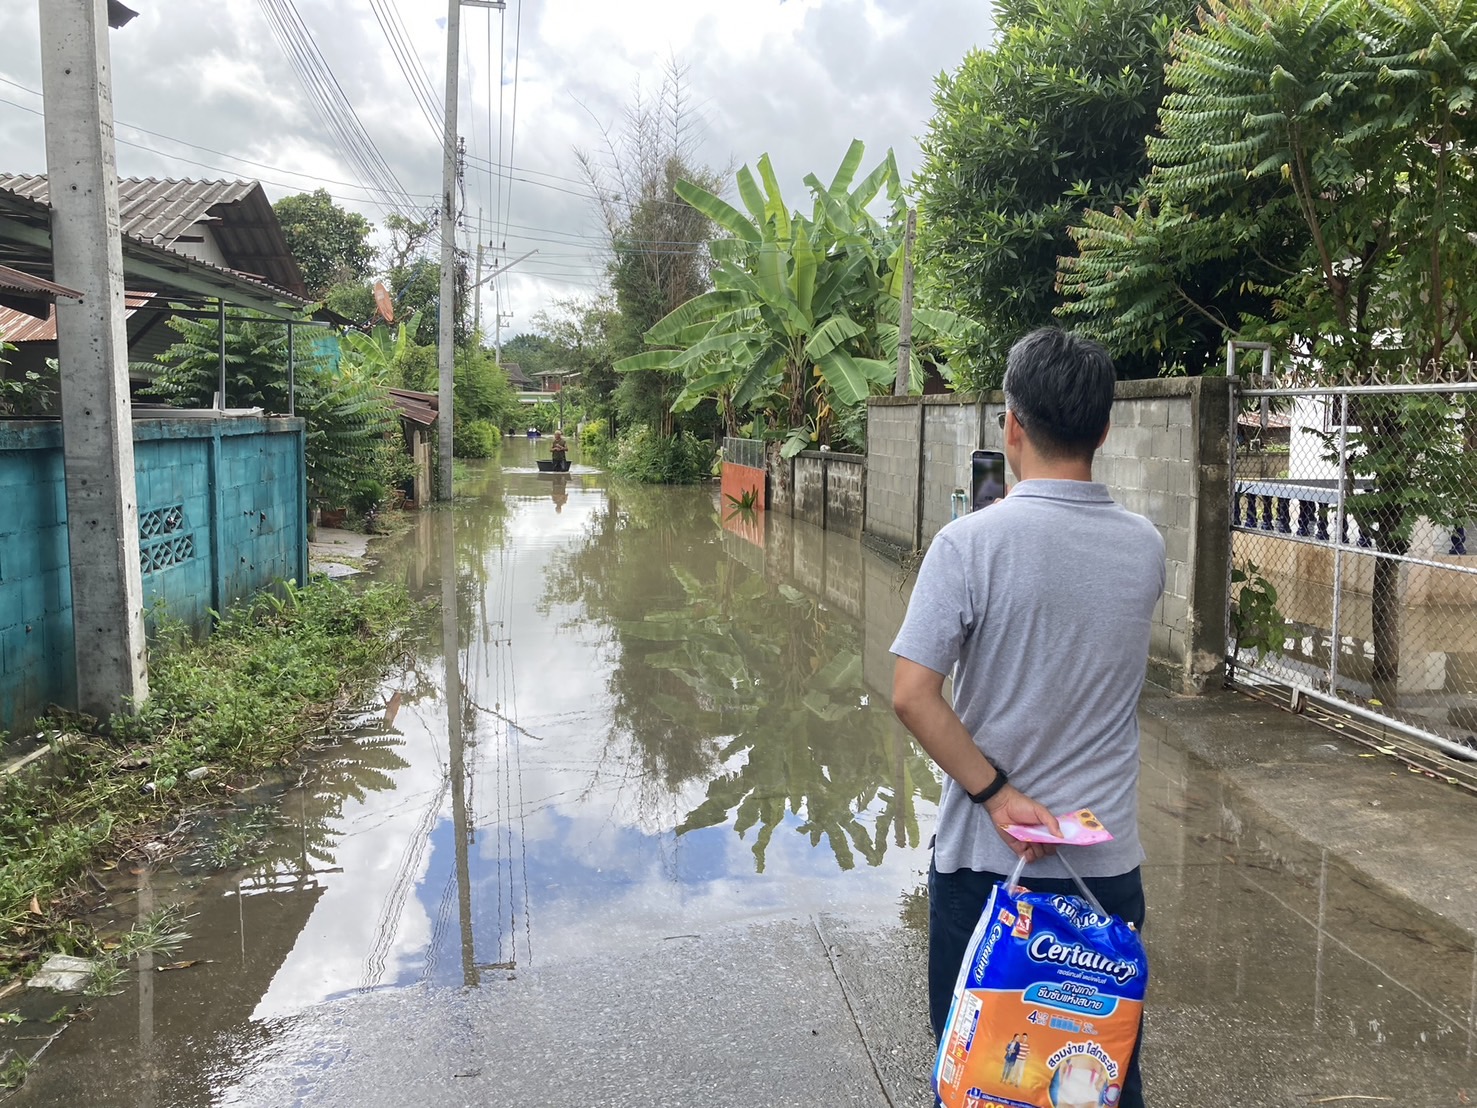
x: 1047, y: 1007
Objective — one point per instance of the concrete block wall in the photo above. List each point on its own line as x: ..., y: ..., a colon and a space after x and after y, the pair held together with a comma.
x: 222, y: 513
x: 35, y: 580
x: 952, y: 431
x: 262, y: 512
x: 1165, y: 458
x: 892, y: 470
x: 780, y: 496
x: 809, y: 472
x: 825, y: 487
x: 846, y: 494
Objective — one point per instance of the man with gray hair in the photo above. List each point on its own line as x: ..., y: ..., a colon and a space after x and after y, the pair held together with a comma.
x: 1040, y: 607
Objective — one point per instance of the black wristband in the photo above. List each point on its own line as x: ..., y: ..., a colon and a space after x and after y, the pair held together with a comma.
x: 1001, y: 780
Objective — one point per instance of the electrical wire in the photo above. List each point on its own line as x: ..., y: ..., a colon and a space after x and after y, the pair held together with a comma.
x: 408, y: 61
x: 333, y: 106
x: 299, y: 56
x: 513, y: 118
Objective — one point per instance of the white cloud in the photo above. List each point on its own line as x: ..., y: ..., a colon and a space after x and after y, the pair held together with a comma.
x: 796, y: 78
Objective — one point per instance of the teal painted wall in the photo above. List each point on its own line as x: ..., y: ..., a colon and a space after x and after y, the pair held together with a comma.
x: 222, y: 513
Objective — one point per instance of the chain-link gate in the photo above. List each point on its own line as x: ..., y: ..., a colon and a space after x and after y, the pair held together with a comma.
x: 1351, y: 577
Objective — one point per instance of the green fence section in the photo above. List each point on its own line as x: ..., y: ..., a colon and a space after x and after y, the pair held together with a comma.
x: 222, y: 513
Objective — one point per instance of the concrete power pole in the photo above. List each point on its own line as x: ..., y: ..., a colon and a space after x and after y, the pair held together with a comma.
x: 92, y: 344
x: 477, y: 297
x: 905, y: 319
x: 446, y: 342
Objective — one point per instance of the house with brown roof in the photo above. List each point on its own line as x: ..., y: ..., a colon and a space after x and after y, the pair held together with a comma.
x: 228, y: 225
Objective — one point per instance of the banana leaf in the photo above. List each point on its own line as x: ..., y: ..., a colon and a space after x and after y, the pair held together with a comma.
x: 719, y: 211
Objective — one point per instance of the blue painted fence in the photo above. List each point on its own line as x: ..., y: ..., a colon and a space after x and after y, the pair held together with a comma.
x: 222, y: 513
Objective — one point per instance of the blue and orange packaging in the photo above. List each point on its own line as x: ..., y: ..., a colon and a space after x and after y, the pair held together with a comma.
x: 1047, y: 1007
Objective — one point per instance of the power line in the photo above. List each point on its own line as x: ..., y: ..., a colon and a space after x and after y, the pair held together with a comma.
x: 513, y: 119
x: 219, y: 168
x: 332, y: 104
x: 388, y: 17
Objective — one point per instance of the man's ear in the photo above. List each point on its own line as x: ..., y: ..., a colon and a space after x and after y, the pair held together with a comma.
x: 1015, y: 433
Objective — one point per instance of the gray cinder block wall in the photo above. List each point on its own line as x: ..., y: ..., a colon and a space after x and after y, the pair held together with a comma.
x: 1164, y: 458
x: 825, y: 487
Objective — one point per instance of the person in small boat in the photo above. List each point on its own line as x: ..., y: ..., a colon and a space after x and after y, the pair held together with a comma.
x: 559, y: 449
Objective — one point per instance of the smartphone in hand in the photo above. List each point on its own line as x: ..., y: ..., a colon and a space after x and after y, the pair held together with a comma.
x: 987, y: 478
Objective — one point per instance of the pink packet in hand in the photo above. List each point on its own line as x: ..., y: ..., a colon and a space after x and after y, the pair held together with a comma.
x: 1079, y: 828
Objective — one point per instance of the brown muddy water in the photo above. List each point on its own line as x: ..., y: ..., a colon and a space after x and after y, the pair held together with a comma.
x: 664, y: 723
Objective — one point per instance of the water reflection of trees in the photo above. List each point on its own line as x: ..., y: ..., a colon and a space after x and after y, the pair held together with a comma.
x: 755, y: 687
x: 616, y: 573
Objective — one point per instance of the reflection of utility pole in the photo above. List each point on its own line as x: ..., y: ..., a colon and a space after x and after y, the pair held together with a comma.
x: 450, y: 649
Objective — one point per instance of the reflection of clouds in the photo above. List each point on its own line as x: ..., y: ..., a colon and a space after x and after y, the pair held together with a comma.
x: 329, y: 955
x: 574, y: 843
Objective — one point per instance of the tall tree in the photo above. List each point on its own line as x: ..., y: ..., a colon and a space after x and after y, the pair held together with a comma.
x: 582, y: 336
x: 657, y: 243
x: 803, y: 321
x: 1327, y: 145
x: 331, y: 245
x: 1047, y: 121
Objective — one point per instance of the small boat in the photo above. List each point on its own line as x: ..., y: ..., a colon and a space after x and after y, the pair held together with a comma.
x: 533, y: 433
x: 549, y: 465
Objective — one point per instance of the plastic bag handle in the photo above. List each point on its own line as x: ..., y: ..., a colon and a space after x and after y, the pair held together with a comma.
x: 1015, y: 879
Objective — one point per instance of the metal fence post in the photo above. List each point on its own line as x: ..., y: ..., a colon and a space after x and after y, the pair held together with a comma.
x: 1337, y: 538
x: 1231, y: 647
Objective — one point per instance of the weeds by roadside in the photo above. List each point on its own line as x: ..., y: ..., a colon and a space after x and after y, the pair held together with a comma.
x: 269, y: 679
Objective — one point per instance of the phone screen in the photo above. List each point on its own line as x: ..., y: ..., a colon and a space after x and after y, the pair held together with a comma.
x: 987, y: 478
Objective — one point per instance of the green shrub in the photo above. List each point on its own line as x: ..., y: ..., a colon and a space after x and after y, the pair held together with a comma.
x: 267, y: 681
x: 645, y: 456
x: 596, y: 445
x: 476, y: 438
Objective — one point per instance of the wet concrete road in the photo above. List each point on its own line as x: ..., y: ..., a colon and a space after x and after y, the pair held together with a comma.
x: 668, y: 849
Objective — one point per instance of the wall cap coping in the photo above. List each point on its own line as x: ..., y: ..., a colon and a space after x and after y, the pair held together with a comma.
x: 1137, y: 389
x: 46, y: 434
x: 834, y: 456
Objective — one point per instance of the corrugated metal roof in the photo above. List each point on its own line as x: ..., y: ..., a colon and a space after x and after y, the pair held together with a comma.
x: 13, y: 280
x: 28, y: 247
x: 18, y: 327
x: 161, y: 211
x: 418, y: 407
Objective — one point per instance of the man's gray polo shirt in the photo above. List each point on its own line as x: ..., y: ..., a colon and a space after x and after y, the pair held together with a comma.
x: 1041, y: 606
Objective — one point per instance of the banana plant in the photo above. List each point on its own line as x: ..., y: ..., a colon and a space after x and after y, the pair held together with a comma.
x: 802, y: 320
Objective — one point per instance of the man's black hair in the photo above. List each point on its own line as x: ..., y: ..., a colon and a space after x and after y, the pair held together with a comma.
x: 1060, y: 387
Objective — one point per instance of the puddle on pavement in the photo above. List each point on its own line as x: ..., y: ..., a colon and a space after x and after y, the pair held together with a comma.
x: 666, y: 723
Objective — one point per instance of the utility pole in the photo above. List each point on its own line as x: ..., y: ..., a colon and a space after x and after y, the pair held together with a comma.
x: 905, y: 320
x: 446, y: 340
x: 92, y: 345
x: 477, y: 284
x: 446, y: 308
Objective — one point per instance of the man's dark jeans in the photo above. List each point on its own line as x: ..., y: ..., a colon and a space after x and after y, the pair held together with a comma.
x: 955, y: 901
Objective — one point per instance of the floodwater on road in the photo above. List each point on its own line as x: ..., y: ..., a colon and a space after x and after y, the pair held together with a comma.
x: 628, y: 721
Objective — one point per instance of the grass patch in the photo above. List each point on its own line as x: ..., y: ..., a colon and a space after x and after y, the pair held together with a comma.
x: 249, y: 697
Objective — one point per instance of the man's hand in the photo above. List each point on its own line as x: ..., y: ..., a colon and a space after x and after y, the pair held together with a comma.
x: 1010, y: 805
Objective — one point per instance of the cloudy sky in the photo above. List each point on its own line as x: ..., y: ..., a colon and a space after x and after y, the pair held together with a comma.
x: 208, y: 91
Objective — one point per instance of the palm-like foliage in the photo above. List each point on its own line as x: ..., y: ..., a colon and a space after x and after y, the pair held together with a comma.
x: 342, y: 401
x: 1321, y: 152
x: 802, y: 320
